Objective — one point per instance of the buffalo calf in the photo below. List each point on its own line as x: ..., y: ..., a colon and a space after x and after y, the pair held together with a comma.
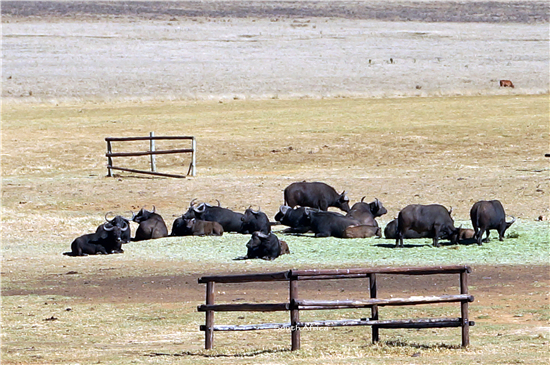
x: 362, y: 231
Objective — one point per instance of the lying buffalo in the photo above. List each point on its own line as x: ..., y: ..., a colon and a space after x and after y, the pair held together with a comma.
x: 263, y: 246
x: 195, y: 227
x: 329, y: 224
x: 366, y: 213
x: 151, y: 225
x: 107, y: 239
x: 315, y: 195
x: 362, y: 231
x: 487, y: 215
x: 255, y: 220
x: 390, y: 232
x: 231, y: 221
x: 434, y: 220
x: 295, y: 218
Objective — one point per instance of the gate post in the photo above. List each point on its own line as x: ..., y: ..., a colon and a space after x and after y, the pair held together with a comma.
x: 464, y: 309
x: 374, y: 308
x: 294, y: 315
x: 209, y: 328
x: 152, y: 149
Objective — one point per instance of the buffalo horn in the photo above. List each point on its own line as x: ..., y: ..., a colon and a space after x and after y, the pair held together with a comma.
x: 106, y: 214
x: 154, y: 209
x: 200, y: 208
x: 108, y: 226
x: 192, y: 203
x: 377, y: 202
x: 219, y: 204
x: 284, y: 208
x: 451, y: 211
x: 363, y: 198
x: 261, y: 234
x: 513, y: 220
x: 126, y: 226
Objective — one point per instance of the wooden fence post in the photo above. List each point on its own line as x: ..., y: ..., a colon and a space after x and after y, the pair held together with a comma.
x: 193, y: 162
x: 209, y: 330
x: 374, y: 308
x: 109, y: 159
x: 152, y: 149
x: 464, y: 309
x: 294, y: 315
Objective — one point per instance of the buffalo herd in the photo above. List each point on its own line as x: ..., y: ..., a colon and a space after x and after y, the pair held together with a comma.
x: 305, y: 210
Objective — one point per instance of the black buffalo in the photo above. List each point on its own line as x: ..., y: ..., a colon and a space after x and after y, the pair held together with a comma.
x: 295, y: 218
x: 390, y: 232
x: 231, y: 221
x: 151, y: 225
x: 254, y: 221
x: 263, y: 246
x: 315, y: 195
x: 366, y: 213
x: 434, y: 219
x: 487, y: 215
x: 107, y: 239
x: 329, y: 224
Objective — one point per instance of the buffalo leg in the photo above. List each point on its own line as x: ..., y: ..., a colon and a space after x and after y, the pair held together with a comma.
x: 487, y: 233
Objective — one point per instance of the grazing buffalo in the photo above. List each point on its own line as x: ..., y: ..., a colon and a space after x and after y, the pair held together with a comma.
x: 390, y: 232
x: 315, y: 195
x: 362, y: 231
x: 231, y: 221
x: 151, y: 225
x: 506, y: 83
x: 107, y: 239
x: 296, y: 218
x: 434, y: 219
x: 254, y: 221
x: 487, y: 215
x: 262, y: 246
x: 366, y: 213
x: 326, y: 224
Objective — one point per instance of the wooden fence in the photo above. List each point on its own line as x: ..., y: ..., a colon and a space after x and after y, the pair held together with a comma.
x: 294, y: 304
x: 151, y: 152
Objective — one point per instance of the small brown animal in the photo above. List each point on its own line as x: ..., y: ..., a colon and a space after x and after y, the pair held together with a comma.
x: 506, y: 83
x: 362, y: 231
x: 284, y: 248
x: 466, y: 234
x: 205, y: 228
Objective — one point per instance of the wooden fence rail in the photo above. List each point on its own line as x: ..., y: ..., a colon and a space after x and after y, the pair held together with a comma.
x: 152, y: 152
x: 294, y: 305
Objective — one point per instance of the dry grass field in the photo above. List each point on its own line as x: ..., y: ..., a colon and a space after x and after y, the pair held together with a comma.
x: 259, y: 129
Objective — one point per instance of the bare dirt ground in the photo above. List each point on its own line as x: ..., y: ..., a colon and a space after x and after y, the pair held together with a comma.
x: 320, y: 79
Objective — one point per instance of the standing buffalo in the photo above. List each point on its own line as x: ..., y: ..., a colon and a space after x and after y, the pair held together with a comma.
x: 366, y: 213
x: 151, y: 225
x: 326, y: 224
x: 254, y: 221
x: 434, y: 220
x: 296, y: 218
x: 107, y: 239
x: 264, y: 246
x: 231, y: 221
x: 315, y: 195
x: 487, y: 215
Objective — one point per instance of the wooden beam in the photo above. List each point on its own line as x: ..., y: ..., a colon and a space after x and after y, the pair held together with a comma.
x: 245, y: 307
x: 245, y: 278
x: 123, y: 139
x: 145, y: 172
x: 350, y: 303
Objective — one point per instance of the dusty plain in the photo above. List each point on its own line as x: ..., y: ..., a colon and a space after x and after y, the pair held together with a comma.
x: 283, y: 94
